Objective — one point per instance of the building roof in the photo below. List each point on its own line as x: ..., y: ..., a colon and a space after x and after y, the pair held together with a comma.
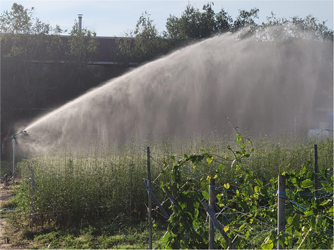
x: 109, y: 52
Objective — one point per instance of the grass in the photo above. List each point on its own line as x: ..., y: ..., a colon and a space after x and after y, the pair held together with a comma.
x: 127, y: 237
x: 89, y: 189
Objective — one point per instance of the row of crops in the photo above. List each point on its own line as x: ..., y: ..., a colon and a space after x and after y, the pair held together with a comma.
x: 95, y: 185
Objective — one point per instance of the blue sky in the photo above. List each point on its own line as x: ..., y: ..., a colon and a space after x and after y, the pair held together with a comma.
x: 113, y: 18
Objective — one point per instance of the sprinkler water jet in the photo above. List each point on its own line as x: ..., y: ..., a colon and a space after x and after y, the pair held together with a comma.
x: 263, y: 86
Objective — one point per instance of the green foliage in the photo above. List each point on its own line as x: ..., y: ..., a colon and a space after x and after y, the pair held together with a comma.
x: 186, y: 225
x: 251, y: 207
x: 246, y: 19
x: 194, y: 24
x: 83, y: 46
x: 26, y: 42
x: 29, y: 82
x: 145, y: 42
x: 142, y: 44
x: 93, y: 187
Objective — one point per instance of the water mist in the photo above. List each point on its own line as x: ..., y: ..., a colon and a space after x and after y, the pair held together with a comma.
x: 260, y: 86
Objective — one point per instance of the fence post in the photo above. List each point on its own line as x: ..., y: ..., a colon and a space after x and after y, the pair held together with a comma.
x: 325, y: 161
x: 149, y: 198
x: 32, y: 202
x: 218, y: 225
x: 130, y: 189
x: 156, y: 201
x: 14, y: 152
x: 212, y: 208
x: 315, y: 169
x: 281, y: 207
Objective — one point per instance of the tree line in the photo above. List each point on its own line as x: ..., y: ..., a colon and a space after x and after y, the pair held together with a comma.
x: 194, y: 24
x: 36, y: 76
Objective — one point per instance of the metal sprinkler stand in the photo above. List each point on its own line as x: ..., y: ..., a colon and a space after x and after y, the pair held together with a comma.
x: 14, y: 151
x: 14, y: 143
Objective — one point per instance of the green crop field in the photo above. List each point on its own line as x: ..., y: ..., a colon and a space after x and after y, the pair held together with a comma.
x: 93, y: 187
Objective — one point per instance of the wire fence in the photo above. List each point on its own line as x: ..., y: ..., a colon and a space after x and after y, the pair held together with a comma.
x: 158, y: 166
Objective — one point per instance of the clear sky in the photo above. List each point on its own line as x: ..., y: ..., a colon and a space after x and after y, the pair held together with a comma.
x: 114, y: 17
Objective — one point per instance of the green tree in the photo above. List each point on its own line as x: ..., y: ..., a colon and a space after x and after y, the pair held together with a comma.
x: 194, y: 24
x: 80, y: 72
x: 26, y: 43
x: 144, y: 43
x: 245, y: 19
x: 83, y: 46
x: 297, y: 27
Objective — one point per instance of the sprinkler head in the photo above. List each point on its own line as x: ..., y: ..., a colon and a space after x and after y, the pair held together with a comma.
x: 24, y: 132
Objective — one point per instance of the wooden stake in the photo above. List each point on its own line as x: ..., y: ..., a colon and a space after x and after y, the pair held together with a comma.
x: 149, y: 199
x: 14, y: 152
x: 218, y: 225
x: 315, y: 170
x: 212, y: 208
x: 130, y: 189
x: 157, y: 202
x: 32, y: 202
x: 281, y: 207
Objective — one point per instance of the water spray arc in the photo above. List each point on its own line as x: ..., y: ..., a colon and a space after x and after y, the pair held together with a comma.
x: 262, y: 86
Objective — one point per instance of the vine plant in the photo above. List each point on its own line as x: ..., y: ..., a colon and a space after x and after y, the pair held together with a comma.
x: 251, y: 206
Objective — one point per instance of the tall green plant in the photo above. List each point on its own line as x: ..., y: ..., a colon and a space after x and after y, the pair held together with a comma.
x: 251, y: 206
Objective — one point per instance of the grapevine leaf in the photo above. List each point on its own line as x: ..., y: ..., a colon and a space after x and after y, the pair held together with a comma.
x: 238, y: 137
x: 327, y: 187
x: 259, y: 182
x: 246, y: 154
x: 205, y: 195
x: 307, y: 183
x: 268, y: 245
x: 209, y: 159
x: 293, y: 180
x: 313, y: 224
x: 323, y: 172
x: 309, y: 174
x: 249, y: 172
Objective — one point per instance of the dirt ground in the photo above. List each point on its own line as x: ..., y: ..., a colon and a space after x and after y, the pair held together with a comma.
x: 9, y: 236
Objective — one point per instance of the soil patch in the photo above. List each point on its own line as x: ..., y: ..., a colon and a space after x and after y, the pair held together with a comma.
x: 10, y: 237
